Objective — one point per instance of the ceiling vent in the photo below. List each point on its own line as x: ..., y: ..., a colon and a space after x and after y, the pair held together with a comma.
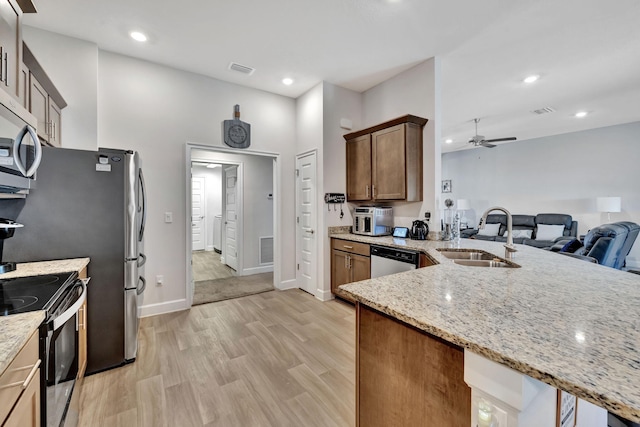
x: 241, y: 68
x: 544, y: 110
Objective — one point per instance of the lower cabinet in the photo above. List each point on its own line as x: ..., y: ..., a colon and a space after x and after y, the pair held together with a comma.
x: 20, y: 388
x: 350, y: 262
x: 405, y: 377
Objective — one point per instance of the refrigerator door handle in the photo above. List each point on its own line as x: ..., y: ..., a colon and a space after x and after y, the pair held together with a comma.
x: 144, y: 285
x: 37, y: 147
x: 144, y: 205
x: 142, y: 259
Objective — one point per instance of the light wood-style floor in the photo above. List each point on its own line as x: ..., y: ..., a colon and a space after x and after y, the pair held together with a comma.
x: 280, y: 358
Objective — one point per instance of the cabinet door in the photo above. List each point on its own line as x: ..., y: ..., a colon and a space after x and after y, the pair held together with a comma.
x: 82, y: 340
x: 26, y: 413
x: 10, y: 44
x: 340, y: 273
x: 39, y: 106
x: 389, y: 164
x: 359, y: 168
x: 55, y: 120
x: 360, y: 268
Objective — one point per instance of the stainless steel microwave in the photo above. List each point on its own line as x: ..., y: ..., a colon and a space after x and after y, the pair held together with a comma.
x: 20, y: 149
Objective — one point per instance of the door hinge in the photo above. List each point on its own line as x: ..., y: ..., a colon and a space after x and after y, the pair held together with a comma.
x: 298, y: 219
x: 298, y: 266
x: 297, y: 172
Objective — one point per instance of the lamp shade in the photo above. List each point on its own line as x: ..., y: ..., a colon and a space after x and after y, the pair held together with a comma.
x: 463, y: 204
x: 609, y: 204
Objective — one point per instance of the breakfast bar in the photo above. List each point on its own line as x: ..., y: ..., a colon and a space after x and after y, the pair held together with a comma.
x: 569, y: 324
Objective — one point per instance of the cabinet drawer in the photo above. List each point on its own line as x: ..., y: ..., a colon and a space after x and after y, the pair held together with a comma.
x: 349, y: 246
x: 14, y: 380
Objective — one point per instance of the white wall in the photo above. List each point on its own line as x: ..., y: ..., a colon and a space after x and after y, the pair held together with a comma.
x: 156, y: 110
x: 415, y: 91
x: 213, y: 198
x: 72, y: 66
x: 257, y: 210
x: 562, y: 173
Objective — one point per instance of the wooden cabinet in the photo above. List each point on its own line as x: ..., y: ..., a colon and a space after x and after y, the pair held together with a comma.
x: 82, y: 333
x: 44, y: 100
x: 350, y: 262
x: 10, y: 47
x: 46, y: 111
x: 20, y: 388
x: 384, y: 162
x: 405, y: 377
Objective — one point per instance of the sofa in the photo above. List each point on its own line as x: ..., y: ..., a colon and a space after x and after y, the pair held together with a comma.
x: 541, y: 230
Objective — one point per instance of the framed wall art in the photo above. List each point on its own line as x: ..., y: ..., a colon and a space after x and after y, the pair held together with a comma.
x: 446, y: 186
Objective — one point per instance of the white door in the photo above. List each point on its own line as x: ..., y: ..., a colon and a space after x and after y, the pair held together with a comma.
x: 197, y: 213
x: 230, y: 249
x: 306, y: 223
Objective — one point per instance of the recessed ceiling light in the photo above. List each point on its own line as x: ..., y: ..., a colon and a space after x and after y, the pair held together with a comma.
x: 448, y: 141
x: 531, y: 79
x: 138, y: 36
x: 581, y: 114
x: 287, y: 81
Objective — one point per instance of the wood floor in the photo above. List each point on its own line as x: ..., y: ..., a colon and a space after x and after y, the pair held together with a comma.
x: 280, y: 358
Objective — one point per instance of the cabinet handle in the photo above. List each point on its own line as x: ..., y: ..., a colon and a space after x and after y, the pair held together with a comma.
x: 1, y: 63
x: 347, y: 247
x: 53, y: 130
x: 346, y: 262
x: 350, y: 262
x: 6, y: 68
x: 367, y: 191
x: 24, y: 384
x: 373, y: 191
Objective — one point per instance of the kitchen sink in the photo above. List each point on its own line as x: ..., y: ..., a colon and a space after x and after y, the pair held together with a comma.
x: 470, y: 254
x: 485, y: 263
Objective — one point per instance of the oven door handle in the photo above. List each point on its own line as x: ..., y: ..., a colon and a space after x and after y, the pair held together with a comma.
x: 71, y: 311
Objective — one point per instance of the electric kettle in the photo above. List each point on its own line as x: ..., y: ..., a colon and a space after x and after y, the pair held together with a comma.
x: 419, y: 230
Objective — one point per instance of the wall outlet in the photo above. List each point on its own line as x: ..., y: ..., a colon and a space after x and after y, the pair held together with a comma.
x: 427, y: 216
x: 168, y: 217
x: 159, y: 279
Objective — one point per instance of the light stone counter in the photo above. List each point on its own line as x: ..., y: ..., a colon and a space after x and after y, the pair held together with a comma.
x: 569, y: 323
x: 16, y: 329
x: 46, y: 267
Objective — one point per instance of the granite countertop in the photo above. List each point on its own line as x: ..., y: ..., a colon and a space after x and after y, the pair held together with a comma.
x: 46, y: 267
x: 569, y: 323
x: 16, y: 329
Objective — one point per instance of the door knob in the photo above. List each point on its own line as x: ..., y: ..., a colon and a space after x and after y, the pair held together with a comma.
x: 309, y: 231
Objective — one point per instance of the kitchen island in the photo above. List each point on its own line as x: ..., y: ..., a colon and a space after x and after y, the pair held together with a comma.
x: 570, y: 324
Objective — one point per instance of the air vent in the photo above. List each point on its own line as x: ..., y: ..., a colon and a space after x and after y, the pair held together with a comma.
x: 241, y: 68
x: 266, y: 250
x: 544, y: 110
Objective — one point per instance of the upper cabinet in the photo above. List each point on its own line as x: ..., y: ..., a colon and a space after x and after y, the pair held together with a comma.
x: 10, y: 47
x: 384, y: 162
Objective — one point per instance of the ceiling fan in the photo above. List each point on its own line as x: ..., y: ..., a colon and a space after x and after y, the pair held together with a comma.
x: 479, y: 141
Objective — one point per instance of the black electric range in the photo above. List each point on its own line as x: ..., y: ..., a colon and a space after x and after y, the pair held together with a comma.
x: 32, y: 293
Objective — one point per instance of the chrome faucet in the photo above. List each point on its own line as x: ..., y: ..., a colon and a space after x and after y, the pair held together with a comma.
x: 509, y: 248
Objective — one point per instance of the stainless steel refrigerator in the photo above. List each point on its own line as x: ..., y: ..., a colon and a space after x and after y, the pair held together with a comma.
x: 90, y: 204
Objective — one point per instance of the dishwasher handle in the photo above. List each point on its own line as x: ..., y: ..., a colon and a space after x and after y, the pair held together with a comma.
x: 402, y: 255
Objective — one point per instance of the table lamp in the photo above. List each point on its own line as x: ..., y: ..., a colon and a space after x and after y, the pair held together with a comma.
x: 608, y: 205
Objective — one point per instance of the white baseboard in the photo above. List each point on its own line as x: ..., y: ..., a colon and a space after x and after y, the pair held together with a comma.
x: 257, y: 270
x: 209, y: 248
x: 323, y: 295
x: 162, y: 308
x: 288, y: 284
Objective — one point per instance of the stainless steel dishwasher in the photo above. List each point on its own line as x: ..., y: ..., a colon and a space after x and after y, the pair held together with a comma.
x: 385, y: 260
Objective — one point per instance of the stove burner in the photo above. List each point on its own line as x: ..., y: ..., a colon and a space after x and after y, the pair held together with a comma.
x: 12, y: 305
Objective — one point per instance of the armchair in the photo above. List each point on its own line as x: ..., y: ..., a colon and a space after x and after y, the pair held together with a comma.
x: 608, y: 244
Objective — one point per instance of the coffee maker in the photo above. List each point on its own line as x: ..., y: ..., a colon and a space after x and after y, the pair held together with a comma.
x: 419, y: 230
x: 7, y: 229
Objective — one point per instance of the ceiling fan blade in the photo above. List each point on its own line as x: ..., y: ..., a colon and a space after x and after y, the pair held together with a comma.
x: 486, y: 144
x: 511, y: 138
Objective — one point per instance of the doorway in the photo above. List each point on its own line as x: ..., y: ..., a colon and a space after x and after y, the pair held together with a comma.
x: 238, y: 228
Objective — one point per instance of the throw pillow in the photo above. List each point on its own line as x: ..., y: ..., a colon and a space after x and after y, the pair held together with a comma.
x: 519, y: 233
x: 549, y: 232
x: 489, y: 230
